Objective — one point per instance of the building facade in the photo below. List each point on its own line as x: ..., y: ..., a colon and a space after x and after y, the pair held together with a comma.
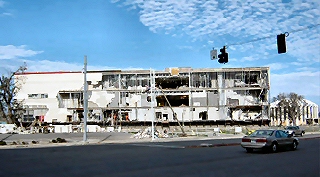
x: 308, y: 114
x: 184, y: 94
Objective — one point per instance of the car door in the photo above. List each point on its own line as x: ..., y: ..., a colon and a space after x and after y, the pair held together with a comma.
x: 298, y: 130
x: 286, y: 139
x: 282, y: 138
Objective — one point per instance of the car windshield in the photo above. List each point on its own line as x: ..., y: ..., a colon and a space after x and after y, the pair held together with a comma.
x: 262, y: 133
x: 291, y: 128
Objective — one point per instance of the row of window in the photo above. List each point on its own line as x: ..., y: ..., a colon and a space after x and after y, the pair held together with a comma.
x: 38, y: 96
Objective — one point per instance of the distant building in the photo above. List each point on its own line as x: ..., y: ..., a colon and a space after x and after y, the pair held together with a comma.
x: 207, y: 94
x: 308, y: 114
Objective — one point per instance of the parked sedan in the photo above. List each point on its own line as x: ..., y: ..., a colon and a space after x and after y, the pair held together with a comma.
x: 294, y: 130
x: 269, y: 140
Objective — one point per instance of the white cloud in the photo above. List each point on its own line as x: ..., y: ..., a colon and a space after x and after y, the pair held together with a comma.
x: 2, y: 3
x: 48, y: 66
x: 238, y: 20
x: 277, y: 66
x: 305, y: 83
x: 6, y: 14
x: 11, y: 52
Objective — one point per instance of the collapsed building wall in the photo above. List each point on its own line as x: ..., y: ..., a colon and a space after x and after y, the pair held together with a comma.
x: 194, y: 94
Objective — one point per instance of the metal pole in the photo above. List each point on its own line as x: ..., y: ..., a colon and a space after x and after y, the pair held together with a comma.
x: 152, y: 103
x: 85, y: 100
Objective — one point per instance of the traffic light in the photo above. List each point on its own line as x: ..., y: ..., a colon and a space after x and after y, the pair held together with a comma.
x: 220, y: 56
x: 281, y: 42
x: 223, y: 56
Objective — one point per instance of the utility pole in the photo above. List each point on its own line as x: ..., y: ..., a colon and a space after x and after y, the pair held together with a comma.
x: 85, y: 100
x: 152, y: 84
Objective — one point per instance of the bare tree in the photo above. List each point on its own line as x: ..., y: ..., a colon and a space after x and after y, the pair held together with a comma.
x: 291, y: 104
x: 10, y: 109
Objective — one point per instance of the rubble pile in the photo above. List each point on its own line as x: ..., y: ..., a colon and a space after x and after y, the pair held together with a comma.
x: 147, y: 133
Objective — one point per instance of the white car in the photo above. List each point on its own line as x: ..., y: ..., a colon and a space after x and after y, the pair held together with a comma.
x: 294, y: 130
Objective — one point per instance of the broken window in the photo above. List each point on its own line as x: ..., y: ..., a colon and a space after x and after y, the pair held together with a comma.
x: 165, y: 117
x: 172, y: 82
x: 203, y: 115
x: 233, y: 102
x: 158, y: 115
x: 174, y: 100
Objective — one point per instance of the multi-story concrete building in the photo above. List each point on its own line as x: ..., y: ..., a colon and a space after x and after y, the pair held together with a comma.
x: 207, y: 94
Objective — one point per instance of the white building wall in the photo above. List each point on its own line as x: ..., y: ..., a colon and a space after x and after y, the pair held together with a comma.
x: 309, y: 112
x: 51, y: 84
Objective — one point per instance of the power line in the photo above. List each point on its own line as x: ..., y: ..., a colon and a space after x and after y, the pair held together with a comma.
x: 272, y: 36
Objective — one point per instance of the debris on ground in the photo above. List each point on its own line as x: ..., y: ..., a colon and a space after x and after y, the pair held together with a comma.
x: 147, y: 133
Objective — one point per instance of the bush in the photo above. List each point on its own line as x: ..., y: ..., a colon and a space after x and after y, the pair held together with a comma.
x: 35, y: 142
x: 59, y: 140
x: 2, y: 143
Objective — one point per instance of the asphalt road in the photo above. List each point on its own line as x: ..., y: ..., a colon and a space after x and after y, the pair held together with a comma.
x: 165, y: 159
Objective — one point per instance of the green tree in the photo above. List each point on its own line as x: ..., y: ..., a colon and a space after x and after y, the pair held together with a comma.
x: 10, y: 108
x: 291, y: 105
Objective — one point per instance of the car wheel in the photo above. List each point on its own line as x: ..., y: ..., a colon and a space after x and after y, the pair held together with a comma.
x: 249, y: 150
x: 274, y: 147
x: 294, y: 145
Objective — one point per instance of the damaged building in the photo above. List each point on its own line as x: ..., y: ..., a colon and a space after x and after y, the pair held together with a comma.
x: 188, y: 95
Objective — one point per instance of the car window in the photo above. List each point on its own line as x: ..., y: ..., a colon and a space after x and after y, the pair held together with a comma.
x: 262, y: 133
x: 283, y: 134
x: 278, y: 134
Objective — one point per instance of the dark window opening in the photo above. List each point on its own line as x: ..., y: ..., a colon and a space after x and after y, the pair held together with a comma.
x: 174, y: 100
x: 165, y: 117
x: 172, y: 82
x: 158, y: 115
x: 203, y: 115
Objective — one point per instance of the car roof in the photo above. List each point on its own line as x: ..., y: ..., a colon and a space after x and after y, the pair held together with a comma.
x: 266, y: 129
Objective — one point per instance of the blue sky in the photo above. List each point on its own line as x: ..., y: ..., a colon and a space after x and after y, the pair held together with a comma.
x: 54, y: 35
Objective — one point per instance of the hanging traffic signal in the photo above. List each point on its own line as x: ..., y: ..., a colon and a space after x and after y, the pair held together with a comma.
x: 281, y: 42
x: 223, y: 56
x: 226, y: 57
x: 220, y: 56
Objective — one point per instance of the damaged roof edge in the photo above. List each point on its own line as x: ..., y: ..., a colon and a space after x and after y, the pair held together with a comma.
x: 145, y: 71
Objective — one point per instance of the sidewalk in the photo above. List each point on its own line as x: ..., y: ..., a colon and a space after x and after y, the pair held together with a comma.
x: 76, y: 139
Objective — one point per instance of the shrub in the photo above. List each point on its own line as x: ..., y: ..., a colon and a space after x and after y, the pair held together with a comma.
x: 2, y: 143
x: 61, y: 140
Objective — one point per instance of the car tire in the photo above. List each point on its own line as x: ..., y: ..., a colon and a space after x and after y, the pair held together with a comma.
x: 274, y: 147
x: 294, y: 145
x: 249, y: 150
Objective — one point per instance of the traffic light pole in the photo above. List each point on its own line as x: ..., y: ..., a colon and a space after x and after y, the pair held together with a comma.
x: 85, y: 100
